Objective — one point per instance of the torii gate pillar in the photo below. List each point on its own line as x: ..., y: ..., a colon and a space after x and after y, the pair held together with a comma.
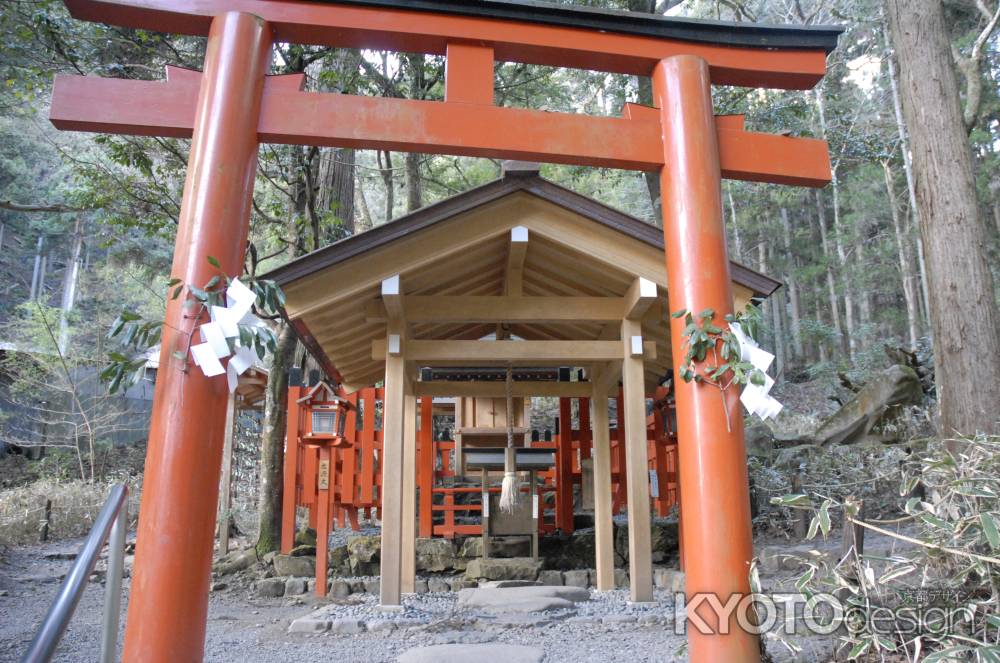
x: 169, y: 599
x: 715, y: 498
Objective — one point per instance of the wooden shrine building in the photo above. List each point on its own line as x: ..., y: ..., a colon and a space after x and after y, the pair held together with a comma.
x: 519, y: 272
x: 607, y: 299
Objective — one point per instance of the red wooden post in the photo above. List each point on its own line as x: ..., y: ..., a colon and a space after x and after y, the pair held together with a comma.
x: 325, y: 484
x: 425, y: 466
x: 621, y: 494
x: 564, y: 468
x: 715, y: 492
x: 368, y: 448
x: 290, y: 494
x: 169, y: 602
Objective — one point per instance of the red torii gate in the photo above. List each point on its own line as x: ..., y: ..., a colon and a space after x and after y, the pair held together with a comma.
x: 233, y: 106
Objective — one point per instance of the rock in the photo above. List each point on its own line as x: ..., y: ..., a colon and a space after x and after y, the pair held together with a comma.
x: 550, y: 577
x: 420, y: 586
x: 235, y: 561
x: 216, y: 587
x: 347, y: 626
x: 669, y: 579
x: 577, y: 578
x: 298, y: 567
x: 463, y: 653
x: 458, y: 583
x: 522, y: 599
x: 380, y: 625
x: 309, y: 624
x: 621, y: 578
x: 358, y: 587
x: 471, y: 548
x: 295, y: 586
x: 501, y: 584
x: 372, y: 586
x: 271, y: 587
x: 515, y: 568
x: 435, y: 555
x: 306, y: 537
x: 303, y: 551
x: 877, y: 402
x: 340, y: 589
x: 437, y: 585
x: 364, y: 554
x: 575, y: 551
x: 339, y: 561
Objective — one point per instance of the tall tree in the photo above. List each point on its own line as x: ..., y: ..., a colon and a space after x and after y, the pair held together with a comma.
x: 964, y: 315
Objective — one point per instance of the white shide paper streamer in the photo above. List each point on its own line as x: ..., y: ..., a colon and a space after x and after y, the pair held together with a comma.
x: 756, y: 398
x: 225, y: 324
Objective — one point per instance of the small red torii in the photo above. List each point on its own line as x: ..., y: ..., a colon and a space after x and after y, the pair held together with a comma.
x: 233, y: 106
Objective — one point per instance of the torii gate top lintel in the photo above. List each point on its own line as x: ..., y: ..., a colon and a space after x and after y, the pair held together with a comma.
x: 747, y: 54
x: 233, y: 106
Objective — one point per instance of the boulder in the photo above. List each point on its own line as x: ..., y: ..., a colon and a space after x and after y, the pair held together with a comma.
x: 286, y: 565
x: 550, y: 577
x: 420, y: 586
x: 306, y: 537
x: 339, y: 561
x: 576, y: 551
x: 296, y: 586
x: 347, y: 626
x: 271, y: 587
x: 859, y: 419
x: 235, y: 561
x: 472, y: 547
x: 621, y: 578
x: 364, y: 554
x: 463, y: 653
x: 309, y: 624
x: 372, y: 586
x: 577, y: 578
x: 435, y: 555
x: 340, y: 589
x: 303, y: 551
x: 437, y: 585
x: 513, y: 568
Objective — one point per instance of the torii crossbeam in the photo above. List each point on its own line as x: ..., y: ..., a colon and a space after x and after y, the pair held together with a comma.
x: 233, y: 106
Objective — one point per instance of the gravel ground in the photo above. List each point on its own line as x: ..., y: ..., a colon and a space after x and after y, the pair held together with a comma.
x: 243, y: 627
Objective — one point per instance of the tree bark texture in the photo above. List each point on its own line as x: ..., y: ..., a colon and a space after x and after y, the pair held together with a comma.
x: 964, y: 316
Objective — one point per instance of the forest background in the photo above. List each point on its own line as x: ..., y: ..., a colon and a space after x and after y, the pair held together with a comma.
x: 87, y: 221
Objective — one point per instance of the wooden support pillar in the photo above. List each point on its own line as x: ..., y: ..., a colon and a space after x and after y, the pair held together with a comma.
x: 640, y: 562
x: 393, y: 434
x: 225, y: 496
x: 715, y: 501
x: 409, y: 514
x: 168, y: 607
x: 425, y: 467
x: 604, y: 527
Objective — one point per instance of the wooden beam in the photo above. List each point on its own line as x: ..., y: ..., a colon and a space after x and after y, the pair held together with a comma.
x: 640, y: 296
x: 289, y: 116
x: 401, y: 29
x: 603, y: 518
x: 514, y: 275
x: 392, y: 298
x: 491, y: 352
x: 489, y: 309
x: 637, y: 469
x: 444, y: 388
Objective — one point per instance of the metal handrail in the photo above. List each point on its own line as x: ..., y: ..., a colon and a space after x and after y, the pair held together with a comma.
x: 113, y: 521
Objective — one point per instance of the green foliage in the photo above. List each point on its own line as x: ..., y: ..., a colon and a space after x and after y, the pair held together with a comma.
x: 950, y: 504
x: 137, y: 336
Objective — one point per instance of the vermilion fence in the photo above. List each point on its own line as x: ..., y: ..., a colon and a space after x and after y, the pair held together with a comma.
x: 445, y: 509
